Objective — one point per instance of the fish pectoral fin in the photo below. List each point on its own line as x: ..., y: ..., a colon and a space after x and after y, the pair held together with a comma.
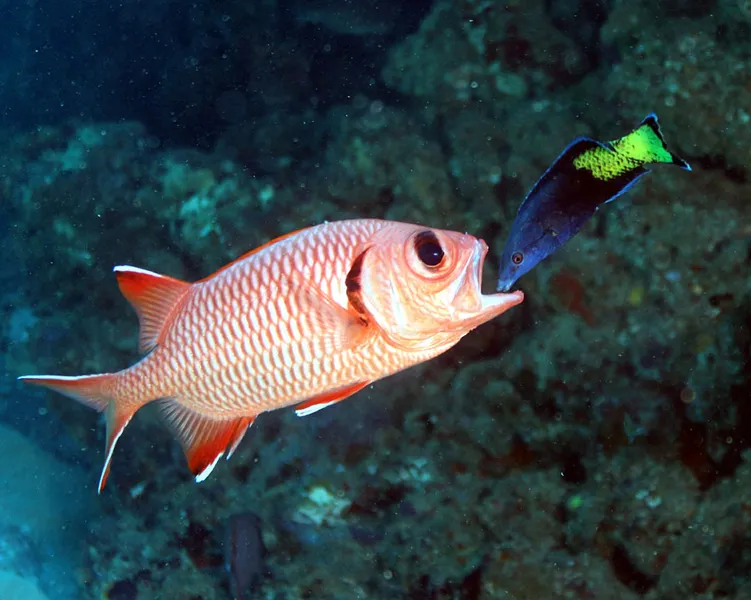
x: 204, y: 439
x: 154, y: 297
x: 338, y: 328
x: 322, y: 401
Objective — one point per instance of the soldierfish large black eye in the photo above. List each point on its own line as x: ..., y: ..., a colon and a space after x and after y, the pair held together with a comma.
x: 429, y: 249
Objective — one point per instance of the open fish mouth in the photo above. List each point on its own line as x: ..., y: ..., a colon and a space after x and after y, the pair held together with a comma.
x: 499, y: 302
x: 468, y: 302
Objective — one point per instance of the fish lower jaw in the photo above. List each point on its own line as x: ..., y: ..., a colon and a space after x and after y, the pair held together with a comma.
x: 501, y: 302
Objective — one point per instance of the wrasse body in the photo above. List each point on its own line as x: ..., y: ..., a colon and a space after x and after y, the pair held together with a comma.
x: 585, y: 176
x: 307, y: 319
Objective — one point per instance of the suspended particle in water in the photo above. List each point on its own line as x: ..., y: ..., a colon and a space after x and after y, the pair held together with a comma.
x: 688, y: 395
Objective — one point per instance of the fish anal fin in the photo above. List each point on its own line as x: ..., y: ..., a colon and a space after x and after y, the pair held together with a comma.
x: 204, y: 439
x: 155, y: 299
x: 321, y: 401
x: 243, y: 424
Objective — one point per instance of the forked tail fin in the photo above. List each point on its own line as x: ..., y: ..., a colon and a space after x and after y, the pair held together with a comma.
x: 646, y: 145
x: 97, y: 392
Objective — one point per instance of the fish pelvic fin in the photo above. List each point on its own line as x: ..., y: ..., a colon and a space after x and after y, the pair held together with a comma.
x: 155, y: 299
x: 317, y: 403
x: 97, y: 392
x: 204, y: 439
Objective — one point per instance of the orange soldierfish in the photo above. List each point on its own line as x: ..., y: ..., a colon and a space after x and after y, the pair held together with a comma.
x: 309, y: 319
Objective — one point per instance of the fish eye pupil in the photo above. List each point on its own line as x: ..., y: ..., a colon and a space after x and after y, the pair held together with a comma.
x: 429, y: 249
x: 517, y: 258
x: 430, y: 254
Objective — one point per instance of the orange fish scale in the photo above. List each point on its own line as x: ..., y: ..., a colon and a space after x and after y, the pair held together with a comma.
x: 246, y: 340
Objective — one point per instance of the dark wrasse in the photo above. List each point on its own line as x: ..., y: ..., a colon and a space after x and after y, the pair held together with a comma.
x: 585, y: 176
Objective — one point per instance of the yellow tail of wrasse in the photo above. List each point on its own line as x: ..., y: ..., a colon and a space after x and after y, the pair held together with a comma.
x: 644, y: 145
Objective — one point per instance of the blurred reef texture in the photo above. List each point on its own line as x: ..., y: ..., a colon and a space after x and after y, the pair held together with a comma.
x: 594, y: 443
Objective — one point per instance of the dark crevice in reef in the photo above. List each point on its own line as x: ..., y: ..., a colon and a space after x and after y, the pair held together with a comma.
x: 736, y: 565
x: 693, y: 436
x: 581, y: 21
x: 628, y: 574
x: 469, y: 588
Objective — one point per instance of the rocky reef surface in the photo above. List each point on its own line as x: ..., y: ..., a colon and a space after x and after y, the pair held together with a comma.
x: 593, y: 443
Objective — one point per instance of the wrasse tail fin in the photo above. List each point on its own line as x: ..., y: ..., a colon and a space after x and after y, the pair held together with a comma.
x: 651, y: 122
x: 204, y: 440
x: 155, y: 299
x: 318, y: 402
x: 93, y: 391
x: 646, y: 145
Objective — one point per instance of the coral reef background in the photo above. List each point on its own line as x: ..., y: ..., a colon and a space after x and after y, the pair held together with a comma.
x: 593, y: 443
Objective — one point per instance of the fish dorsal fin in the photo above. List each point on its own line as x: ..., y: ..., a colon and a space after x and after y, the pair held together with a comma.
x: 204, y: 440
x: 154, y: 297
x: 322, y: 401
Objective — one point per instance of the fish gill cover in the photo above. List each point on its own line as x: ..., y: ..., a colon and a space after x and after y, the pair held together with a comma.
x: 593, y: 442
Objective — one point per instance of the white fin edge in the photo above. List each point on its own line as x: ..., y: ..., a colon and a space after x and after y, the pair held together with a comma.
x: 309, y: 410
x: 56, y: 377
x: 203, y: 475
x: 129, y: 269
x: 108, y: 459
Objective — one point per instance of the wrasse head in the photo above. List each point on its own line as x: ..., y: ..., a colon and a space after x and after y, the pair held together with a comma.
x: 422, y: 286
x: 526, y: 246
